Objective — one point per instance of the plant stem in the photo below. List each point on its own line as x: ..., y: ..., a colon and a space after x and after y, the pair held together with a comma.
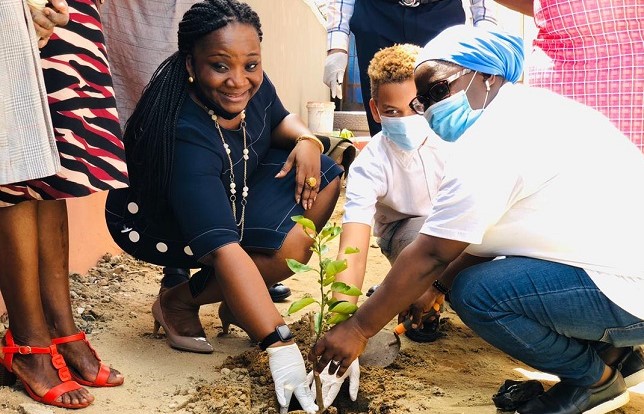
x: 323, y: 301
x: 316, y: 377
x: 318, y: 382
x: 318, y: 392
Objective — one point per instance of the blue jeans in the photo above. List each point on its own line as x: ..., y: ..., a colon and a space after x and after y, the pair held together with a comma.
x: 548, y: 315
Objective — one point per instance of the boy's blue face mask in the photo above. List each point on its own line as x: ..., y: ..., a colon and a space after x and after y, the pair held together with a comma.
x: 451, y: 117
x: 407, y: 132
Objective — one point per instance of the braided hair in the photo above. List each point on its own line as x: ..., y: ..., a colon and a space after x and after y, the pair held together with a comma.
x: 151, y: 130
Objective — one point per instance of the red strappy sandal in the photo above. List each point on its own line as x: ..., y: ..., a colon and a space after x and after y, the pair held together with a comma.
x: 103, y: 371
x: 57, y: 361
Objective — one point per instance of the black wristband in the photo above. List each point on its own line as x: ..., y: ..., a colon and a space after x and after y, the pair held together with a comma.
x: 281, y: 333
x: 440, y: 287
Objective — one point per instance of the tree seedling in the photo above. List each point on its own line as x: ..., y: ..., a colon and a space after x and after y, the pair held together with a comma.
x: 330, y: 310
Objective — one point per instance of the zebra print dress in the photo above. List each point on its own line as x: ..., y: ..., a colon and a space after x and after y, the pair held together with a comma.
x: 83, y: 110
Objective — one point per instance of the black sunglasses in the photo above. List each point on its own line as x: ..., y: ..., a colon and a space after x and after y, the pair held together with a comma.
x: 436, y: 92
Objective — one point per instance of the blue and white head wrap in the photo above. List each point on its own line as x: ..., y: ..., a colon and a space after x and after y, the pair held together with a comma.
x: 487, y: 51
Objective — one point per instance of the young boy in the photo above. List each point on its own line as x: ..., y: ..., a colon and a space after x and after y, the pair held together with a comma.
x: 394, y: 179
x: 391, y: 185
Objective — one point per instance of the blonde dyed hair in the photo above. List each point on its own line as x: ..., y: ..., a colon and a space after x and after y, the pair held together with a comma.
x: 394, y: 64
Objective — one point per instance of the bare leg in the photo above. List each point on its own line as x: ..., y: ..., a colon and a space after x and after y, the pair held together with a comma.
x: 53, y: 241
x: 20, y: 286
x: 180, y: 306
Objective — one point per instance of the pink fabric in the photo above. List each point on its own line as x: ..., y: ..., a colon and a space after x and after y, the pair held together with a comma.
x: 593, y: 51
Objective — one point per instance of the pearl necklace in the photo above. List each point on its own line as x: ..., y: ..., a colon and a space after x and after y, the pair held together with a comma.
x: 232, y: 185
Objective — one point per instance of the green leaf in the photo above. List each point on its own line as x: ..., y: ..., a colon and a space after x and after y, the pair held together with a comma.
x: 300, y: 304
x: 337, y: 318
x: 334, y: 267
x: 326, y: 230
x: 330, y: 232
x: 328, y: 280
x: 331, y: 302
x: 344, y: 307
x: 304, y: 222
x: 345, y: 289
x: 297, y: 267
x: 351, y: 250
x: 324, y: 249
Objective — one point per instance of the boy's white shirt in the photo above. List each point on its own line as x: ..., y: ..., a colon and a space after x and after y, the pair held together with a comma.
x: 386, y: 184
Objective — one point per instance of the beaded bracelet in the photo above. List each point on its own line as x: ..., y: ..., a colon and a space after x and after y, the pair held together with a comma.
x: 310, y: 138
x: 440, y: 287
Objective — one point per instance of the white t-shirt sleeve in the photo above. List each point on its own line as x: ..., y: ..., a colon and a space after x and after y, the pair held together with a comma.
x: 366, y: 182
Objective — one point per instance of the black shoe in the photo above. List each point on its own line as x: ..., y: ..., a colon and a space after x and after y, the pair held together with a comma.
x: 372, y: 289
x: 512, y: 394
x: 564, y: 398
x: 632, y: 367
x: 428, y: 333
x: 279, y: 292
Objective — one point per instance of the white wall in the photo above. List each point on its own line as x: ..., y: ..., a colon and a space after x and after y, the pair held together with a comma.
x: 293, y: 51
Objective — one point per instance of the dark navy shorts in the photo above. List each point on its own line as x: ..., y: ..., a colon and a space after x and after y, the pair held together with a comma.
x: 271, y: 203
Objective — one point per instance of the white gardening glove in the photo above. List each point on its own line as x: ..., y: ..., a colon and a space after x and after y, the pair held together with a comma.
x: 334, y: 67
x: 289, y: 375
x: 331, y: 383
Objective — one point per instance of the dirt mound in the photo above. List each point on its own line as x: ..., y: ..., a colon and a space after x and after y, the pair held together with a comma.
x: 246, y: 387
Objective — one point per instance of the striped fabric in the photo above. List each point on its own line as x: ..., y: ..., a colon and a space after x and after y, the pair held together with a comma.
x: 593, y: 51
x: 140, y: 34
x: 27, y: 145
x: 83, y: 112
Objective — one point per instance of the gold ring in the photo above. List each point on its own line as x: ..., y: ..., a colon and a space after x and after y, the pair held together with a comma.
x: 311, y: 182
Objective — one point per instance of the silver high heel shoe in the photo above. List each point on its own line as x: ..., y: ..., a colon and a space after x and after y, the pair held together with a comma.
x: 197, y: 344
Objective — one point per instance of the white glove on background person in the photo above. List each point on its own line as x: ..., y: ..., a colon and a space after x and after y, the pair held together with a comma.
x: 334, y: 67
x: 331, y: 383
x: 488, y: 24
x: 289, y: 375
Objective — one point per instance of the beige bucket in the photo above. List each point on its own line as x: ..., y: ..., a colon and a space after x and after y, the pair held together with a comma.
x: 320, y: 116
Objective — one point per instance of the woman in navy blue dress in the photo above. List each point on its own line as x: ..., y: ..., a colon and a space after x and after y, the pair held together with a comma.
x: 217, y: 167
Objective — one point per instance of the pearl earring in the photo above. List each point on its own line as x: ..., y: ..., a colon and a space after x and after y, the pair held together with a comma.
x: 190, y: 79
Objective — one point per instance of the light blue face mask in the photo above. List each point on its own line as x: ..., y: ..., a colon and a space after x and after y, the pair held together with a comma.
x: 407, y: 132
x: 451, y: 117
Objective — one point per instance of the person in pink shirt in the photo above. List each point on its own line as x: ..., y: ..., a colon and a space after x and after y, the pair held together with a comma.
x: 591, y: 51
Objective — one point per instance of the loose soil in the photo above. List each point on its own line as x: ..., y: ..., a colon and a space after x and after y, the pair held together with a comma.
x: 458, y: 373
